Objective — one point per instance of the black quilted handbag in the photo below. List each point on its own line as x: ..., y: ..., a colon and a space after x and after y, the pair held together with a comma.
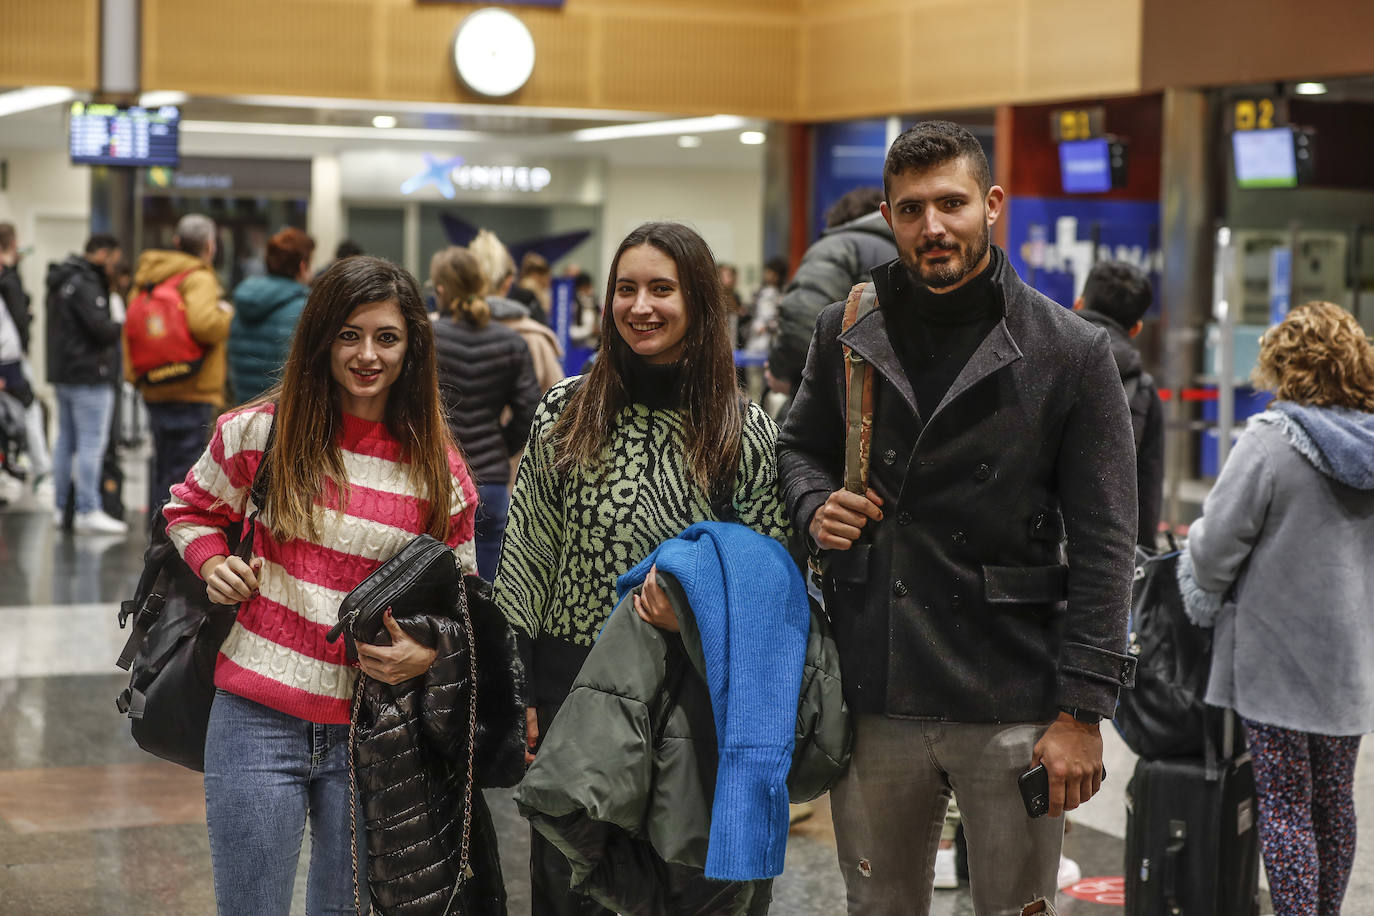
x: 177, y: 632
x: 422, y: 578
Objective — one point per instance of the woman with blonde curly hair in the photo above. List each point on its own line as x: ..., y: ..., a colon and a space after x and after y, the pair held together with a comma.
x: 1280, y: 565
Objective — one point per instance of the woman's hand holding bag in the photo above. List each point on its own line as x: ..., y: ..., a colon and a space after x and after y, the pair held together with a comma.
x: 404, y: 659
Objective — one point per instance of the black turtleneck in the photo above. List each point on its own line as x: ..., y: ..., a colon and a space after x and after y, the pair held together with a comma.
x: 934, y: 334
x: 657, y: 387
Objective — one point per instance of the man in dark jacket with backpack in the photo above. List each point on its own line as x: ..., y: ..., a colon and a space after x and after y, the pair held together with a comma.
x: 83, y: 366
x: 979, y: 577
x: 1116, y: 297
x: 851, y: 246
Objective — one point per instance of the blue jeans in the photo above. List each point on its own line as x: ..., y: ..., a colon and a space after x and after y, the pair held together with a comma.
x: 83, y: 429
x: 181, y: 430
x: 265, y: 773
x: 491, y: 527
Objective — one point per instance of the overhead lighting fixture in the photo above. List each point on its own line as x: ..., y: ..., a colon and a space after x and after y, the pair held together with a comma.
x: 659, y: 128
x: 385, y: 122
x: 753, y: 138
x: 689, y: 141
x: 331, y: 132
x: 34, y: 97
x: 482, y: 109
x: 1310, y: 88
x: 162, y: 97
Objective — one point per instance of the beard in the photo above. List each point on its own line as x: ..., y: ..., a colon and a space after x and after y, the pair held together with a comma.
x: 964, y: 261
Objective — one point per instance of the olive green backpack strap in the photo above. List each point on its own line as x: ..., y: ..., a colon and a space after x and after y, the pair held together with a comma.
x: 858, y: 393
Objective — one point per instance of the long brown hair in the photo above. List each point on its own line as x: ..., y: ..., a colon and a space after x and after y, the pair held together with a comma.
x: 306, y: 453
x: 458, y: 273
x: 1318, y: 356
x: 712, y: 417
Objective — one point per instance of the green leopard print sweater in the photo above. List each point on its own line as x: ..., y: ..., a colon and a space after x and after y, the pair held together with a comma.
x: 569, y: 537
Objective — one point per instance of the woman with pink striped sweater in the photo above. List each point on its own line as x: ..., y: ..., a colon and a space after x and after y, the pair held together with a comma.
x: 361, y: 462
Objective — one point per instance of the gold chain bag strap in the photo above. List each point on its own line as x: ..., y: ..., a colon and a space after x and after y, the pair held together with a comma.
x: 465, y: 849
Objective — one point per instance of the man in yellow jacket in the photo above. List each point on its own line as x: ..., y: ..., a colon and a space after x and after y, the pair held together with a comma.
x: 180, y: 413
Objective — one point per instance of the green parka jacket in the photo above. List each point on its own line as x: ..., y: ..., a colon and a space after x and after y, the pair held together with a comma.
x: 624, y: 780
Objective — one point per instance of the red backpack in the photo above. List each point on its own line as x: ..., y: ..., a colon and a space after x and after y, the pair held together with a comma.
x: 161, y: 348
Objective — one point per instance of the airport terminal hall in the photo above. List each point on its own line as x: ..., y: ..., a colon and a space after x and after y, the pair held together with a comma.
x: 686, y: 458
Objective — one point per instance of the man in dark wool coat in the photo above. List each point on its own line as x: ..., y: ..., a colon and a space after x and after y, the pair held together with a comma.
x: 979, y: 588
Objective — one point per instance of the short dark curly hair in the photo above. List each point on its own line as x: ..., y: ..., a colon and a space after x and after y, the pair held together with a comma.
x: 932, y: 143
x: 1118, y: 290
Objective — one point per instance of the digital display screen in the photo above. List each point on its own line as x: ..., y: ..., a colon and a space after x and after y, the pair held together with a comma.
x: 100, y: 134
x: 1085, y: 166
x: 1265, y: 158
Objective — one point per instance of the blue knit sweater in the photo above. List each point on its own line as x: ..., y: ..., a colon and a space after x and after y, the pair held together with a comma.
x: 750, y: 605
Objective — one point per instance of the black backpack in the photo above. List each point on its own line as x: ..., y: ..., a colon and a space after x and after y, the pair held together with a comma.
x: 177, y: 633
x: 1165, y: 715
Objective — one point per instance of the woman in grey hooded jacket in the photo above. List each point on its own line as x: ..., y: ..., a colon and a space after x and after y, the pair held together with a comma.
x: 1280, y: 565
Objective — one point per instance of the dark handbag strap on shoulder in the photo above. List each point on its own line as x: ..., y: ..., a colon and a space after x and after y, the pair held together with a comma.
x: 146, y: 606
x: 257, y: 493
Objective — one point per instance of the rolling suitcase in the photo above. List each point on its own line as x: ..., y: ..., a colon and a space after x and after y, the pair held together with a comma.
x: 1192, y: 835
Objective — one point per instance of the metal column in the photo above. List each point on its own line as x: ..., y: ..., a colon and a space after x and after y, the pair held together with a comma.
x: 1188, y: 206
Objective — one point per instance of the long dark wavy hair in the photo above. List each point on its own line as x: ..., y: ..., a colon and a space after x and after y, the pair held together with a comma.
x: 713, y: 420
x: 305, y: 457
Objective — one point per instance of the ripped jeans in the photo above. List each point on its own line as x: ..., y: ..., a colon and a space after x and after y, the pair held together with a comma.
x: 889, y: 809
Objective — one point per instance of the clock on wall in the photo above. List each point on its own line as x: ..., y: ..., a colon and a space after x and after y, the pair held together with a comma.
x: 493, y: 52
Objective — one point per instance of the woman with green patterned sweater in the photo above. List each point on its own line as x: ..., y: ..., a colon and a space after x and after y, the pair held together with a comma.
x: 655, y: 438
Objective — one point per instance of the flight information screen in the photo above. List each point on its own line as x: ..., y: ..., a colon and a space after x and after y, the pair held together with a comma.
x: 1265, y: 158
x: 1085, y: 166
x: 101, y: 134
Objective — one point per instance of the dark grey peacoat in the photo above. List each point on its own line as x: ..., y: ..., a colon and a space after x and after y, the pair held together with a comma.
x: 997, y: 586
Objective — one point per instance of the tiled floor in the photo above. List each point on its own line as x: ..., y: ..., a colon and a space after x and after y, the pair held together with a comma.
x: 91, y: 825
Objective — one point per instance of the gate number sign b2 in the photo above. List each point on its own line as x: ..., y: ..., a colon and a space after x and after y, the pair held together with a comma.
x: 1258, y: 114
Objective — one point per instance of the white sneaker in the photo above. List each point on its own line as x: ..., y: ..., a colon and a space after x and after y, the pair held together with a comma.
x: 945, y: 875
x: 1069, y: 872
x: 98, y: 522
x: 59, y: 518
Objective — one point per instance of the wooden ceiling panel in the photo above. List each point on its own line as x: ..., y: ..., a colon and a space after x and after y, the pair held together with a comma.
x: 699, y: 65
x: 49, y: 43
x: 854, y: 62
x: 981, y: 66
x: 1082, y: 47
x: 286, y: 47
x: 786, y: 59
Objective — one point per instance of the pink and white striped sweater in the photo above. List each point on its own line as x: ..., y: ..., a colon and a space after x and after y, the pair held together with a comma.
x: 276, y: 653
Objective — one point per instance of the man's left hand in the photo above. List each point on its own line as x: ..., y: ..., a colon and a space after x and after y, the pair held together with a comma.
x: 1072, y: 754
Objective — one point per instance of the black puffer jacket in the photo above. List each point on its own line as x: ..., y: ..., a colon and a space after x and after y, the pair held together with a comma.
x: 411, y: 752
x: 841, y: 257
x: 83, y: 340
x: 482, y: 371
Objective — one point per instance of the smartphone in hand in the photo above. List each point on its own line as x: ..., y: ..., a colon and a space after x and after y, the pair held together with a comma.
x: 1035, y: 790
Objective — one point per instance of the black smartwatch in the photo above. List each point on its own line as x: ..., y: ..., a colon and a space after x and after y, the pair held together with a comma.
x: 1086, y: 716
